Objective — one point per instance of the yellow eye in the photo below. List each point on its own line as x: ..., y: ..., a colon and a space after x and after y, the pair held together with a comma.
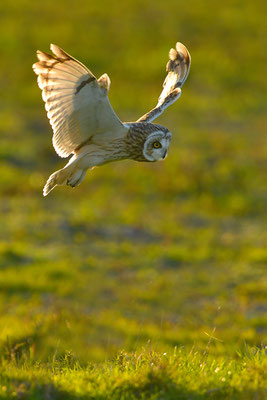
x: 156, y: 145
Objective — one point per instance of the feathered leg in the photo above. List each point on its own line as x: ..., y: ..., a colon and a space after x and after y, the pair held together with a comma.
x: 57, y: 178
x: 76, y: 178
x: 71, y: 175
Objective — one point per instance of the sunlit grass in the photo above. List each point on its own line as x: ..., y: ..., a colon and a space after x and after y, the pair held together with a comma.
x: 100, y: 284
x: 144, y: 375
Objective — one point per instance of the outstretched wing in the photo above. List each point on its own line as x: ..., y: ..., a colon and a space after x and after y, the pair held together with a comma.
x: 178, y: 68
x: 76, y: 102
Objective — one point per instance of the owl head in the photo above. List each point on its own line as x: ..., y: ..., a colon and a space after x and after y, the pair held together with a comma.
x: 156, y: 145
x: 147, y: 141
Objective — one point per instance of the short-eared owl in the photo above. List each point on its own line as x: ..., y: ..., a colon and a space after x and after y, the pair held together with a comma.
x: 84, y: 123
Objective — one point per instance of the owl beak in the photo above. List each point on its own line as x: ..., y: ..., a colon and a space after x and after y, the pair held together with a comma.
x: 165, y: 154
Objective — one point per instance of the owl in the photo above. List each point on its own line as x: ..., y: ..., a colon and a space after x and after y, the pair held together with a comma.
x: 84, y: 123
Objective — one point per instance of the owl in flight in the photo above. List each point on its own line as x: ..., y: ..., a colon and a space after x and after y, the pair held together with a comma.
x: 84, y: 123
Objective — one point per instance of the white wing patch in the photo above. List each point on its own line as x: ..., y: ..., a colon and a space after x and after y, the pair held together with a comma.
x: 76, y: 103
x: 178, y: 68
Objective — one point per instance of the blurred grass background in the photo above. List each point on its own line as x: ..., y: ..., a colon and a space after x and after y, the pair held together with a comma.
x: 159, y: 252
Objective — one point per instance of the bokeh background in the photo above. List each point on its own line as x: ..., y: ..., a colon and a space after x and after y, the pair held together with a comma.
x: 161, y: 254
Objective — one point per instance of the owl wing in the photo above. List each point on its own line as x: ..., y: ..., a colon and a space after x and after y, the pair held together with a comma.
x: 178, y: 68
x: 76, y: 102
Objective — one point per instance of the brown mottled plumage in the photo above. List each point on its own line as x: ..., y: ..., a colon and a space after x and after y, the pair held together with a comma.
x: 84, y: 123
x: 136, y: 137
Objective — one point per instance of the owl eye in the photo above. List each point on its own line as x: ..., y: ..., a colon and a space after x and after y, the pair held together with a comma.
x: 156, y: 145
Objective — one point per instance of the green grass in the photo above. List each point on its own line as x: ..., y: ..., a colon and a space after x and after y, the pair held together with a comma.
x: 98, y: 283
x: 145, y: 375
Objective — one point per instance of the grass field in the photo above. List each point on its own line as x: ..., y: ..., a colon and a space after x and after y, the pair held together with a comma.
x: 147, y: 281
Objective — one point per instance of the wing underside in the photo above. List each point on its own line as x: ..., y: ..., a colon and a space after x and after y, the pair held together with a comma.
x: 76, y: 102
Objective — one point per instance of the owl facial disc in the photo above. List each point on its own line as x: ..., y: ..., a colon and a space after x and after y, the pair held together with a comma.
x: 156, y: 146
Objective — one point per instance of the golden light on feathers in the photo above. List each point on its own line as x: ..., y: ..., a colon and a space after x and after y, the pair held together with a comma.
x: 84, y: 123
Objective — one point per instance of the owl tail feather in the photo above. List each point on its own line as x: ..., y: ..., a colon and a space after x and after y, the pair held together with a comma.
x: 58, y: 178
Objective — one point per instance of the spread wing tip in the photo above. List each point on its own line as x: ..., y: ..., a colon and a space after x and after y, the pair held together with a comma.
x: 179, y: 63
x: 183, y: 53
x: 58, y: 52
x: 177, y: 69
